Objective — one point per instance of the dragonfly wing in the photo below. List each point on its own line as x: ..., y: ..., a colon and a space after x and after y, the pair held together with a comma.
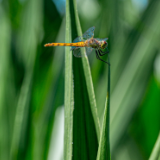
x: 77, y: 51
x: 89, y: 33
x: 101, y: 39
x: 88, y: 50
x: 78, y: 39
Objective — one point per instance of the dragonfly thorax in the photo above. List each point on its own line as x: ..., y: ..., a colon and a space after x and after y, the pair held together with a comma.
x: 94, y: 43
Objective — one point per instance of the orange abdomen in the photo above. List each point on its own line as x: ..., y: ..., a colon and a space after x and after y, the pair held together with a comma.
x: 78, y: 44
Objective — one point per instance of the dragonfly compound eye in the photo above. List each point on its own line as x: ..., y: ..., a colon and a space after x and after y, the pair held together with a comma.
x: 104, y: 44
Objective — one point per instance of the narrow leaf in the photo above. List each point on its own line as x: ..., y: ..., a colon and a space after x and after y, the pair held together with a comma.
x: 68, y: 91
x: 104, y: 145
x: 88, y: 77
x: 155, y: 155
x: 5, y: 89
x: 85, y: 121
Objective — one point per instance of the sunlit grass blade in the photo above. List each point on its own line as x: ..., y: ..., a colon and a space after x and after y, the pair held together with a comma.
x: 5, y: 86
x: 68, y: 137
x: 104, y: 144
x: 155, y: 155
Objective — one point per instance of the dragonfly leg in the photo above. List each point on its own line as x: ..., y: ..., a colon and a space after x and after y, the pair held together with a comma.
x: 97, y: 56
x: 100, y: 51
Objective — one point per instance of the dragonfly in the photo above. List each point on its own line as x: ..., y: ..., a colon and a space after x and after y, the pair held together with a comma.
x: 88, y: 41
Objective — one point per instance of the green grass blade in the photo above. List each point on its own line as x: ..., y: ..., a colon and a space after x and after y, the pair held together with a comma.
x: 21, y: 116
x: 85, y: 133
x: 68, y: 91
x: 104, y: 145
x: 85, y: 142
x: 88, y: 77
x: 155, y: 155
x: 5, y: 87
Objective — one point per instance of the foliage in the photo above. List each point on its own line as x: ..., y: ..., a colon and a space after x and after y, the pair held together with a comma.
x: 42, y: 87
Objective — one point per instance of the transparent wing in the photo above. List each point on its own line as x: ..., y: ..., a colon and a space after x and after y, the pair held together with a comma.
x: 88, y: 50
x: 101, y: 39
x: 77, y: 51
x: 78, y: 39
x: 89, y: 33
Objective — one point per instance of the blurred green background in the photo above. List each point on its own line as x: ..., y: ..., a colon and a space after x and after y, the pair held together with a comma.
x: 32, y: 77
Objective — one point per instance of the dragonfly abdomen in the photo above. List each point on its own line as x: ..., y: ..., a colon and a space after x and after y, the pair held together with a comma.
x: 78, y: 44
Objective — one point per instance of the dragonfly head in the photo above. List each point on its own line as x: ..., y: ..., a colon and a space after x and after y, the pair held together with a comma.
x: 103, y: 44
